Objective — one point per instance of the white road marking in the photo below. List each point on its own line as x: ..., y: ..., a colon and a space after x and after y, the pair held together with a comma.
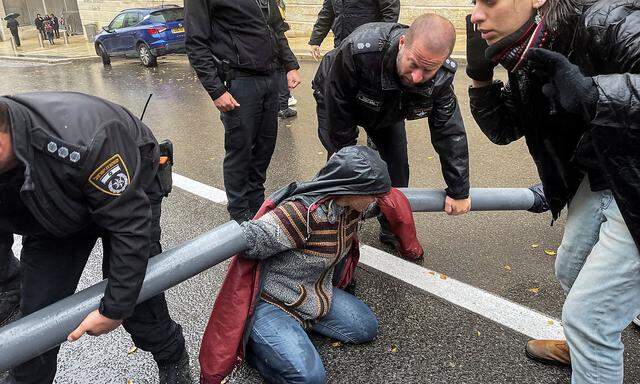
x: 197, y: 188
x: 502, y: 311
x: 517, y: 317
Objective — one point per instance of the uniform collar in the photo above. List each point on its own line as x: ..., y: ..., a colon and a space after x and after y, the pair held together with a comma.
x: 390, y: 80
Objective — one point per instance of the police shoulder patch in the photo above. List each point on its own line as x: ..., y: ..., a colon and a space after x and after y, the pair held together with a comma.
x: 450, y: 64
x: 111, y: 177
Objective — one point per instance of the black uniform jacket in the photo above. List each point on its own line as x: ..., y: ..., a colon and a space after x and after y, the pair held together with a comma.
x: 344, y: 16
x: 238, y: 31
x: 607, y: 47
x: 359, y: 85
x: 87, y: 162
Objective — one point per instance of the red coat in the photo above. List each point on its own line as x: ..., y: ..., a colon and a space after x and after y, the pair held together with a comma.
x: 224, y: 339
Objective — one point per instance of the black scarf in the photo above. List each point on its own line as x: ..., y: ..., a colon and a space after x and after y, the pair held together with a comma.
x: 511, y: 50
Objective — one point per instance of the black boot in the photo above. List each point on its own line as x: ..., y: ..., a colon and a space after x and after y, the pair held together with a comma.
x: 386, y: 236
x: 9, y: 304
x: 177, y: 372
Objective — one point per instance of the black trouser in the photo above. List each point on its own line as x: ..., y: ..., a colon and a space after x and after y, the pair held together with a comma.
x: 51, y: 269
x: 57, y: 32
x: 16, y: 37
x: 250, y: 133
x: 9, y: 267
x: 391, y: 143
x: 283, y: 90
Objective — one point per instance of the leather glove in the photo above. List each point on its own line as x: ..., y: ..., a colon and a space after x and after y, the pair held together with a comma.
x: 540, y: 204
x: 567, y: 86
x: 479, y: 68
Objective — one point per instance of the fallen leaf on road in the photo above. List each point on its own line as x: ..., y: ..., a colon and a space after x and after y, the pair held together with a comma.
x: 432, y: 273
x: 507, y: 268
x: 336, y: 344
x: 549, y: 322
x: 550, y: 252
x: 393, y: 349
x: 478, y: 333
x: 129, y: 381
x: 429, y: 157
x: 534, y: 290
x: 443, y: 276
x: 535, y: 245
x: 132, y: 349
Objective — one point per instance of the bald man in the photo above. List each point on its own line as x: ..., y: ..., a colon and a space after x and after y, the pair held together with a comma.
x: 384, y: 74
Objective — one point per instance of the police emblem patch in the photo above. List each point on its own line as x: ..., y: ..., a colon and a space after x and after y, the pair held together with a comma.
x: 111, y: 177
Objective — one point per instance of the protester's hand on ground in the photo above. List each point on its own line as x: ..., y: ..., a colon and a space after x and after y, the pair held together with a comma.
x: 479, y: 68
x: 315, y: 52
x: 94, y: 324
x: 226, y: 102
x: 293, y: 78
x: 455, y: 207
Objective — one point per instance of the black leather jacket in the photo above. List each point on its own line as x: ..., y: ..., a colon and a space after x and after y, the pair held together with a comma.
x: 607, y: 47
x: 344, y: 16
x: 87, y: 162
x: 238, y: 31
x: 359, y: 86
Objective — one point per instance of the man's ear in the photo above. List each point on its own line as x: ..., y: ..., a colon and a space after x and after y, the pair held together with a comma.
x: 401, y: 41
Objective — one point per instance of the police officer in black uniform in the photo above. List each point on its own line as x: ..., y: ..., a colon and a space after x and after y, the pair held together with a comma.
x: 75, y: 168
x: 344, y: 16
x: 384, y: 73
x: 236, y: 47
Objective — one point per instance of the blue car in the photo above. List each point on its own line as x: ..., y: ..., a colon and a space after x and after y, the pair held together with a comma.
x: 143, y: 32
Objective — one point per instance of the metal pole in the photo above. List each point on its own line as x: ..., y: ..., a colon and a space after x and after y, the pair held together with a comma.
x: 49, y: 327
x: 64, y: 35
x: 13, y: 44
x: 40, y: 40
x: 482, y: 199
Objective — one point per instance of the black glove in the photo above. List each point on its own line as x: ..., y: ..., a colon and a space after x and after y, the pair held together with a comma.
x: 479, y: 68
x: 540, y: 204
x: 567, y: 86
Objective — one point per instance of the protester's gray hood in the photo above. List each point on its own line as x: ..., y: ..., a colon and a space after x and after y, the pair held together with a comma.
x: 354, y: 170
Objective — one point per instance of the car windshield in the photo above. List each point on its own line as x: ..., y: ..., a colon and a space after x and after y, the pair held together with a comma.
x: 168, y: 15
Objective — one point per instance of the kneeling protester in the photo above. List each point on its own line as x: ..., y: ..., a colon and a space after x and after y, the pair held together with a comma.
x: 303, y: 249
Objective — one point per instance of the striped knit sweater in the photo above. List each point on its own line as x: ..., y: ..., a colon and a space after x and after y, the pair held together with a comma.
x: 298, y: 266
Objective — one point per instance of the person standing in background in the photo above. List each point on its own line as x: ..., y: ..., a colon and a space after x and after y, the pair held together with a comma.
x: 236, y: 48
x: 344, y: 16
x: 13, y: 24
x: 56, y: 26
x: 39, y: 23
x: 285, y: 98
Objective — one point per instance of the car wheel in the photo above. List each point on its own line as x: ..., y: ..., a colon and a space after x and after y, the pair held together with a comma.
x: 106, y: 60
x: 147, y: 57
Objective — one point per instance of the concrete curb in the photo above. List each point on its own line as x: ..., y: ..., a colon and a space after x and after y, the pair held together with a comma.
x: 48, y: 60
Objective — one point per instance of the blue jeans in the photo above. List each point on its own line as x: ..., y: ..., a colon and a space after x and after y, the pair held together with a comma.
x: 598, y: 266
x: 280, y: 349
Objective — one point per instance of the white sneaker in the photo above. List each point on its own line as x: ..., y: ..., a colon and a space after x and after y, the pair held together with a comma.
x: 636, y: 321
x: 292, y: 101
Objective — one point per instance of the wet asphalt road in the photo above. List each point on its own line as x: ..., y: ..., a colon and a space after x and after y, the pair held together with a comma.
x: 436, y: 342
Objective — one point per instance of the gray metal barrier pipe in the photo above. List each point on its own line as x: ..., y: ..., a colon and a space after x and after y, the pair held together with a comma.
x: 482, y: 199
x: 47, y: 328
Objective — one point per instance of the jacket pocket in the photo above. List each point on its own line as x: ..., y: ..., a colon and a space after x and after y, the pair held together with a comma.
x: 301, y: 298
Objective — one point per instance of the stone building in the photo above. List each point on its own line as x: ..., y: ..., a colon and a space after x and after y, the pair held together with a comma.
x: 301, y: 14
